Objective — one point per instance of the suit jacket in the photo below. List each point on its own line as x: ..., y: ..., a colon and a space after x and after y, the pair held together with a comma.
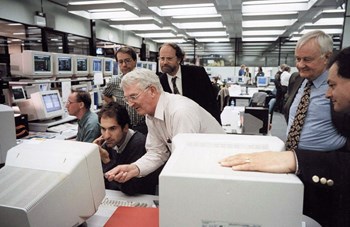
x: 328, y: 205
x: 196, y: 85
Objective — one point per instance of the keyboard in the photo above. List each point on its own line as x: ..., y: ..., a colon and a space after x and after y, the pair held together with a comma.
x: 63, y: 127
x: 117, y: 203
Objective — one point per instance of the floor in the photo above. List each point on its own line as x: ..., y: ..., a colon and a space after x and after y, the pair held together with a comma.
x: 279, y: 126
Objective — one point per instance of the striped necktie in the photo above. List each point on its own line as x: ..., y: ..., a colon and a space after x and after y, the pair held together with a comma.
x: 299, y: 119
x: 175, y: 89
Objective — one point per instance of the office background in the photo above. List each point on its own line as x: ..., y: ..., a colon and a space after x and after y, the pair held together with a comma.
x: 225, y: 33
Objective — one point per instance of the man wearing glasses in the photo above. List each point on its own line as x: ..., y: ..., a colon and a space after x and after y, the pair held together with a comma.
x: 126, y: 58
x: 187, y: 80
x: 166, y: 116
x: 78, y: 105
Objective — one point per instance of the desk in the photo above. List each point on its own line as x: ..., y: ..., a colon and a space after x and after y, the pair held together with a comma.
x: 104, y: 212
x: 44, y: 125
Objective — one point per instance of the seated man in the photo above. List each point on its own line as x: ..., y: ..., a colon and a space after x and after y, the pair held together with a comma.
x: 121, y: 145
x: 78, y: 105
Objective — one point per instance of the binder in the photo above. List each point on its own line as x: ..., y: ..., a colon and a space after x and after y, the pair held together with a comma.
x: 134, y: 217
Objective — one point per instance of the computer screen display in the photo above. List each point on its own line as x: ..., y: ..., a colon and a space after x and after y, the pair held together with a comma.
x: 18, y: 94
x: 64, y: 64
x: 42, y: 63
x: 97, y: 65
x: 42, y: 105
x: 262, y: 81
x: 52, y: 102
x: 108, y: 66
x: 82, y: 64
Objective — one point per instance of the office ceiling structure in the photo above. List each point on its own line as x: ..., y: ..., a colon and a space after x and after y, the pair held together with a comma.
x: 259, y: 28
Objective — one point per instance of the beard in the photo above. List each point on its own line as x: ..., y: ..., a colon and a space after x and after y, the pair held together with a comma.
x: 168, y: 69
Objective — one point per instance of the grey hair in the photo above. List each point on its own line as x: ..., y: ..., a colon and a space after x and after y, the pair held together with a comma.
x: 323, y: 40
x: 143, y: 77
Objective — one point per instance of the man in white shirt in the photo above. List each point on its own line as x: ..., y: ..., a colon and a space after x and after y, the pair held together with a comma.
x: 166, y: 116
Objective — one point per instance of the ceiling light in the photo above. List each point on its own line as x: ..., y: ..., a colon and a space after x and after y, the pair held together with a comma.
x: 137, y: 27
x: 207, y: 34
x: 175, y: 40
x: 198, y: 25
x: 258, y: 39
x: 156, y: 35
x: 208, y: 40
x: 181, y: 10
x: 267, y: 23
x: 262, y: 32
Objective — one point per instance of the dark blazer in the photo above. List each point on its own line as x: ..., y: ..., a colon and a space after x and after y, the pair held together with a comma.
x: 197, y: 86
x: 328, y: 205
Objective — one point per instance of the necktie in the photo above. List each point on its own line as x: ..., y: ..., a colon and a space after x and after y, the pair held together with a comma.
x: 297, y: 125
x: 175, y: 90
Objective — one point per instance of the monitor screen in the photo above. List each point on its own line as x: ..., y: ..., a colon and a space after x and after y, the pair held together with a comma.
x: 50, y: 175
x: 42, y: 63
x: 262, y: 81
x: 82, y: 64
x: 18, y: 94
x: 97, y: 65
x: 108, y: 65
x: 52, y: 102
x: 64, y: 64
x: 42, y: 105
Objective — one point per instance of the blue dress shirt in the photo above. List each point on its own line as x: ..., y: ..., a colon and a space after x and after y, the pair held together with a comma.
x: 318, y: 132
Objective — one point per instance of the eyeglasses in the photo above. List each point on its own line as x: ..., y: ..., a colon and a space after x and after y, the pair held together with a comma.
x: 126, y: 61
x: 70, y: 102
x: 168, y: 59
x: 133, y: 98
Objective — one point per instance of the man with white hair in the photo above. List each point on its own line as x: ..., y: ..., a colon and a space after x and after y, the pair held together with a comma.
x: 166, y: 116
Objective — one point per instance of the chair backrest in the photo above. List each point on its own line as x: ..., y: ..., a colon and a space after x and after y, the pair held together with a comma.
x: 258, y: 99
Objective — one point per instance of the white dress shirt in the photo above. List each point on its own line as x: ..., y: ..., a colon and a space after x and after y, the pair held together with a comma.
x: 174, y: 114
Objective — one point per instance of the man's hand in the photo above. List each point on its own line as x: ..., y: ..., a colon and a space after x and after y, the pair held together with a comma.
x: 103, y: 152
x: 122, y: 173
x: 268, y: 161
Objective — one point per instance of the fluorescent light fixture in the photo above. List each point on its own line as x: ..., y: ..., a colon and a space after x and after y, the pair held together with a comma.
x: 137, y: 27
x: 206, y: 34
x: 197, y: 16
x: 276, y: 6
x: 267, y: 23
x: 330, y: 21
x: 18, y: 33
x: 182, y: 10
x: 175, y: 40
x: 105, y: 15
x: 94, y: 2
x: 269, y: 13
x: 262, y: 32
x: 258, y: 39
x: 329, y: 31
x: 14, y: 24
x: 199, y: 25
x: 208, y: 40
x: 156, y: 35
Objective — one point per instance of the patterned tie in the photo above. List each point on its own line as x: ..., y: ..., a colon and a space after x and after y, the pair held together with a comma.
x: 175, y: 90
x: 295, y: 129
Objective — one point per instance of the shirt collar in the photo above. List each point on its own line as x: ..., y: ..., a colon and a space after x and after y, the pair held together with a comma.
x: 128, y: 136
x: 320, y: 80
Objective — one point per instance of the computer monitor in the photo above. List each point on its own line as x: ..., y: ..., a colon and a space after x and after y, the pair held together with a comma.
x: 8, y: 134
x: 50, y: 183
x: 96, y: 65
x: 262, y: 81
x: 42, y: 105
x: 80, y: 65
x: 108, y: 66
x: 31, y: 64
x: 18, y: 94
x: 62, y: 65
x: 207, y: 194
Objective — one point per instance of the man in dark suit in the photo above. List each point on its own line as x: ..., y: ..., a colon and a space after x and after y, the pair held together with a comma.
x: 187, y: 80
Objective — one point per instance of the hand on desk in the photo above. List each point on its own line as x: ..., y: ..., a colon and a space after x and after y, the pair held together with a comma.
x: 103, y: 152
x: 122, y: 173
x: 268, y: 161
